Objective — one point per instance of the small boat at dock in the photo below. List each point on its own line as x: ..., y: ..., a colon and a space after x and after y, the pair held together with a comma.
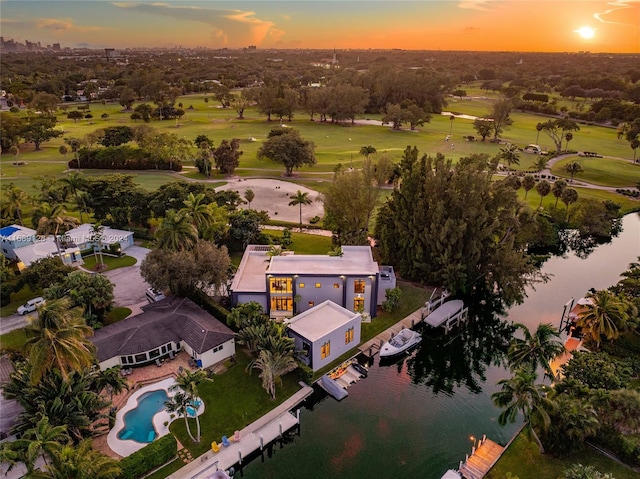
x: 333, y: 388
x: 360, y: 369
x: 401, y: 342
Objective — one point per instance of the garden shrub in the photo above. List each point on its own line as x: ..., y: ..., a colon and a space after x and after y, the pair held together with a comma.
x: 154, y: 455
x: 304, y: 372
x: 210, y: 305
x: 626, y: 448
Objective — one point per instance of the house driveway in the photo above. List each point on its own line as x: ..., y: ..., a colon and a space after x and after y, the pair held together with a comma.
x: 128, y: 286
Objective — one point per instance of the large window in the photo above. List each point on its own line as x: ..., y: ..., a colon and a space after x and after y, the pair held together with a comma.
x: 348, y: 335
x: 325, y: 350
x: 358, y: 304
x: 358, y: 286
x: 280, y: 285
x: 281, y: 304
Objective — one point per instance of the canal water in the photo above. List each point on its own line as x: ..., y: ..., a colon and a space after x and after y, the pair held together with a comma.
x: 418, y: 417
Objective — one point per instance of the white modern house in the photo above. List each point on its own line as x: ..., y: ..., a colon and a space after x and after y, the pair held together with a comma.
x: 324, y: 333
x: 14, y: 237
x: 45, y: 247
x: 162, y: 329
x: 290, y: 284
x: 84, y: 237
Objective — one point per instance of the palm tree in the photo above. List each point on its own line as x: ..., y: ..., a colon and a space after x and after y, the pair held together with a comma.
x: 451, y: 118
x: 569, y: 196
x: 188, y: 382
x: 573, y: 169
x: 112, y: 380
x: 543, y: 188
x: 509, y: 154
x: 198, y: 212
x: 568, y: 136
x: 249, y: 195
x: 272, y: 367
x: 635, y: 144
x: 43, y: 439
x: 300, y: 199
x: 607, y: 316
x: 57, y: 338
x: 96, y: 238
x: 537, y: 349
x: 528, y: 182
x: 74, y: 184
x: 557, y: 189
x: 177, y: 232
x: 13, y: 200
x: 79, y: 462
x: 54, y: 222
x: 520, y: 394
x: 541, y: 163
x: 180, y: 403
x: 367, y: 151
x: 539, y: 127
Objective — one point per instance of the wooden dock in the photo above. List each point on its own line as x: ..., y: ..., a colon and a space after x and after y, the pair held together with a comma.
x: 482, y: 459
x: 372, y: 347
x: 254, y: 437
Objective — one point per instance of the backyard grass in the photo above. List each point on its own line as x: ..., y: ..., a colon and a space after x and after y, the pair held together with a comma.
x: 523, y: 459
x: 232, y: 400
x: 305, y: 243
x: 601, y: 171
x: 13, y: 340
x: 111, y: 262
x: 116, y: 314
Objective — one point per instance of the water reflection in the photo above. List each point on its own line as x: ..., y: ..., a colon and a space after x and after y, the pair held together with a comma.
x: 445, y: 362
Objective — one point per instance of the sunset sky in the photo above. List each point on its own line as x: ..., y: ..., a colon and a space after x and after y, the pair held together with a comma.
x: 516, y: 25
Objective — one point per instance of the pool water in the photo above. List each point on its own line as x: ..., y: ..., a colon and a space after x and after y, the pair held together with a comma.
x: 138, y: 423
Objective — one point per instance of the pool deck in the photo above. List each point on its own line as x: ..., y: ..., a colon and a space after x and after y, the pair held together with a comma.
x: 126, y: 447
x: 261, y: 432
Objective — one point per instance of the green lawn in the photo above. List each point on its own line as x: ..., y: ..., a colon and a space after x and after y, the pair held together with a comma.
x: 305, y: 243
x: 110, y: 262
x: 13, y: 340
x: 116, y: 314
x: 602, y: 171
x: 523, y: 459
x: 232, y: 401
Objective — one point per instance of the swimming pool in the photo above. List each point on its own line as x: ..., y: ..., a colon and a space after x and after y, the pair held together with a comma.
x: 138, y: 423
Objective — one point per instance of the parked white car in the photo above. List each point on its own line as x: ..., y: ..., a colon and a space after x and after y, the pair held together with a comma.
x: 30, y: 306
x: 153, y: 295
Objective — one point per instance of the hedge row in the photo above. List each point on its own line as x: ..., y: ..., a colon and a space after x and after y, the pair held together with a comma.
x: 120, y: 158
x: 210, y: 305
x: 156, y: 454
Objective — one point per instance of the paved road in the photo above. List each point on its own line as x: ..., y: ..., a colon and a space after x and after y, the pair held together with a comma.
x: 129, y: 287
x: 15, y: 321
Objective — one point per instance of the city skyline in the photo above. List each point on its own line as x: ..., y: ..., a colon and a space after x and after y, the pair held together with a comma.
x: 484, y: 25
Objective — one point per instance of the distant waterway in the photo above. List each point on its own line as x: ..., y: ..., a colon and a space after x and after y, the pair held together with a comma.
x: 417, y: 417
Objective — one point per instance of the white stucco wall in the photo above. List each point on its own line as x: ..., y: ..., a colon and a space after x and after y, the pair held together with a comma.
x: 338, y: 346
x: 209, y: 358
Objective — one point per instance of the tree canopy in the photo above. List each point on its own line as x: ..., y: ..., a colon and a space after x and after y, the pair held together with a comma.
x: 287, y: 147
x: 453, y: 226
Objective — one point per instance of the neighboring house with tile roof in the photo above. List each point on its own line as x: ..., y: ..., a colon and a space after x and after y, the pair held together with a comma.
x: 164, y: 328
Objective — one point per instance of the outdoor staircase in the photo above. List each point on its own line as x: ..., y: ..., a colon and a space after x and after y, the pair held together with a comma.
x: 481, y: 460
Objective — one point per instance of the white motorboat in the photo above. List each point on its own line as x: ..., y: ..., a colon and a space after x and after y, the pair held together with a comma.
x: 400, y: 342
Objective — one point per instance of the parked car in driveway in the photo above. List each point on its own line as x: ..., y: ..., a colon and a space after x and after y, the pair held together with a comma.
x: 153, y: 295
x: 30, y: 306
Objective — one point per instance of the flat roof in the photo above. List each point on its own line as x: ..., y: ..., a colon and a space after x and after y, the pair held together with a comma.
x: 320, y: 320
x: 83, y: 234
x: 250, y: 276
x: 355, y: 260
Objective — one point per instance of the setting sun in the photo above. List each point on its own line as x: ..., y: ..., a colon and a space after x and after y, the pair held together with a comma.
x: 586, y: 32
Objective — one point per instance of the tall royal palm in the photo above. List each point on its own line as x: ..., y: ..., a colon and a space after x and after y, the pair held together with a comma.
x: 188, y: 382
x: 537, y: 349
x: 200, y: 213
x: 57, y: 339
x: 176, y: 232
x: 74, y: 184
x: 520, y: 394
x: 300, y: 199
x: 607, y: 316
x: 367, y: 151
x: 509, y: 154
x: 54, y: 221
